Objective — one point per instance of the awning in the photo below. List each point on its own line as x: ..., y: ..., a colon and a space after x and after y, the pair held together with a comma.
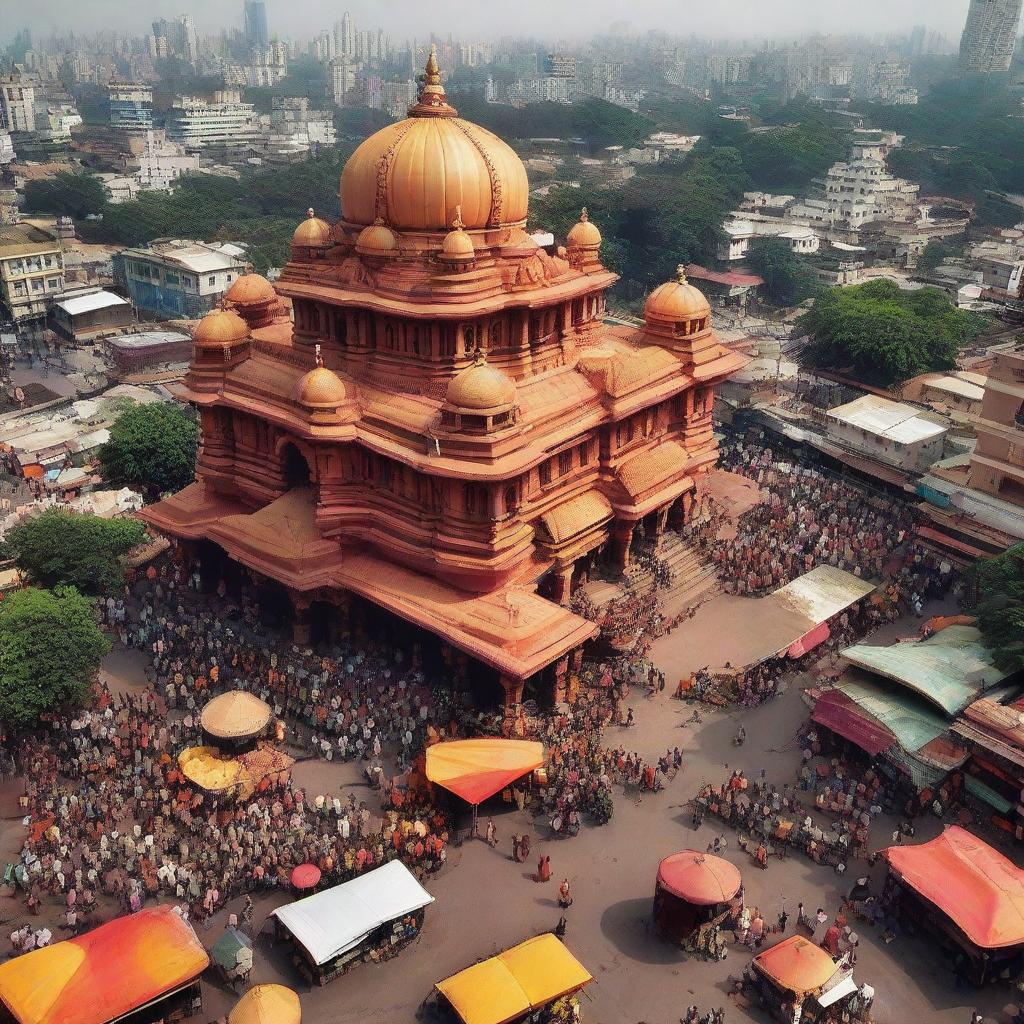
x: 796, y: 964
x: 333, y: 921
x: 811, y: 639
x: 846, y: 987
x: 944, y: 540
x: 577, y: 515
x: 511, y: 984
x: 975, y: 886
x: 986, y: 793
x: 477, y: 769
x: 267, y: 1004
x: 106, y: 973
x: 839, y: 713
x: 699, y: 878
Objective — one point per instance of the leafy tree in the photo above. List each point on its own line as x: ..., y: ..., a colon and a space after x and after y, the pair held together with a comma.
x: 788, y: 280
x: 936, y: 252
x: 50, y: 648
x: 884, y: 334
x: 73, y: 195
x: 151, y: 446
x: 60, y: 547
x: 1001, y: 606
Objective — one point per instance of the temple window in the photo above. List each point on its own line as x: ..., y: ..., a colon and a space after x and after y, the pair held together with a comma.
x: 367, y: 466
x: 584, y: 453
x: 495, y: 341
x: 447, y: 341
x: 475, y: 498
x: 511, y: 500
x: 577, y: 311
x: 294, y: 467
x: 501, y: 418
x: 415, y: 331
x: 385, y: 477
x: 467, y: 339
x: 313, y: 313
x: 389, y: 337
x: 544, y: 473
x: 564, y: 462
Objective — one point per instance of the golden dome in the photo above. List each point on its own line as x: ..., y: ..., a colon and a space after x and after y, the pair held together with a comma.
x: 584, y: 235
x: 312, y: 231
x: 416, y: 172
x: 676, y: 300
x: 251, y: 290
x: 377, y: 240
x: 481, y: 388
x: 457, y: 245
x: 220, y: 327
x: 320, y: 389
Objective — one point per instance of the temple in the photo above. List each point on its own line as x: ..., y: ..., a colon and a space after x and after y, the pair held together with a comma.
x: 441, y: 423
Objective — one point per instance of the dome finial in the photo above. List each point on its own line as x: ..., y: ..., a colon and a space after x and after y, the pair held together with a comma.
x: 458, y: 224
x: 433, y: 72
x: 584, y: 216
x: 432, y: 101
x: 479, y: 356
x: 681, y: 273
x: 319, y: 359
x: 311, y: 213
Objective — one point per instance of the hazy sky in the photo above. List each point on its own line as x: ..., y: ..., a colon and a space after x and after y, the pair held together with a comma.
x: 477, y: 19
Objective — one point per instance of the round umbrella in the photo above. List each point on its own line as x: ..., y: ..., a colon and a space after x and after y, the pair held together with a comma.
x: 305, y: 876
x: 267, y: 1004
x: 235, y: 715
x: 699, y: 878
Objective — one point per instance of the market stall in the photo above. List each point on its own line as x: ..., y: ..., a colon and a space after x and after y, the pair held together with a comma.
x: 147, y: 964
x: 539, y: 976
x: 967, y: 895
x: 370, y: 917
x: 477, y: 769
x: 797, y: 980
x: 267, y: 1004
x: 235, y: 717
x: 693, y: 893
x: 235, y: 776
x: 232, y: 955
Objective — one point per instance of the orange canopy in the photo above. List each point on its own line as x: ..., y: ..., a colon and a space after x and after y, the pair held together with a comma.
x: 699, y: 878
x: 477, y: 769
x: 972, y: 884
x: 796, y: 964
x: 103, y: 974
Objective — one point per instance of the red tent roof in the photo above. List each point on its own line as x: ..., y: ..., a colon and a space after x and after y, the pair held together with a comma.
x: 836, y: 711
x: 699, y: 878
x: 975, y: 886
x: 729, y: 277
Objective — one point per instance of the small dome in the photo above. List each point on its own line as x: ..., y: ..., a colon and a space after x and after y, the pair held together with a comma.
x: 457, y: 245
x: 481, y: 388
x: 377, y: 240
x: 584, y: 235
x: 320, y: 389
x: 251, y: 290
x: 220, y: 327
x: 677, y: 300
x: 312, y: 231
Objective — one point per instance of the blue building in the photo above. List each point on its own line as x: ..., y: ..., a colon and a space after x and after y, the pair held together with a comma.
x: 256, y: 32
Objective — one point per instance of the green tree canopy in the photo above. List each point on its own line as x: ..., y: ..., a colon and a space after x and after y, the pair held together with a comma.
x: 885, y: 335
x: 72, y: 195
x: 151, y: 446
x: 73, y: 549
x: 788, y: 280
x: 1001, y: 606
x: 50, y: 648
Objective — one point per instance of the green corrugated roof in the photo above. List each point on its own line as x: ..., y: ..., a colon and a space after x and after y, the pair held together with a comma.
x: 911, y: 720
x: 951, y: 669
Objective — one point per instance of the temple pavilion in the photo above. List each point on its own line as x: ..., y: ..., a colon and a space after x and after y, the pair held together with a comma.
x: 428, y: 411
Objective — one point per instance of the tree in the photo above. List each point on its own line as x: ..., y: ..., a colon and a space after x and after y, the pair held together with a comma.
x: 885, y: 335
x: 788, y: 280
x: 72, y: 195
x: 73, y: 549
x: 936, y: 252
x: 50, y: 648
x: 1001, y: 607
x: 152, y: 447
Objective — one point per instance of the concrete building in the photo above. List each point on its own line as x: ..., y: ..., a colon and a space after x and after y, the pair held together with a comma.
x: 990, y: 34
x: 1003, y: 273
x: 88, y: 313
x: 7, y: 153
x: 890, y: 432
x: 223, y: 122
x: 560, y: 65
x: 178, y: 278
x: 997, y: 465
x: 740, y: 233
x: 131, y: 106
x: 31, y: 270
x: 294, y: 130
x: 147, y: 352
x: 162, y: 162
x: 17, y: 104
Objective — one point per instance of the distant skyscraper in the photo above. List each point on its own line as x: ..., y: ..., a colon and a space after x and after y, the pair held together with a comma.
x: 256, y: 33
x: 348, y: 35
x: 989, y: 35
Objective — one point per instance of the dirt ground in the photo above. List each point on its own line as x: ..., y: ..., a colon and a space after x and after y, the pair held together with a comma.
x: 486, y: 902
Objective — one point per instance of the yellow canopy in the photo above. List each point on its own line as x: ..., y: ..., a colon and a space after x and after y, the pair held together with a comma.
x: 267, y: 1004
x: 477, y: 769
x: 523, y: 978
x: 235, y: 715
x: 209, y: 769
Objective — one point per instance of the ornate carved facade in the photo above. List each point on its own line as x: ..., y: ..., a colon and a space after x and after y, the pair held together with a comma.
x: 446, y: 421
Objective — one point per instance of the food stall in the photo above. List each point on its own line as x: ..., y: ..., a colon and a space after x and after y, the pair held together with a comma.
x: 693, y: 894
x: 371, y: 917
x: 146, y: 965
x: 536, y: 980
x: 966, y: 895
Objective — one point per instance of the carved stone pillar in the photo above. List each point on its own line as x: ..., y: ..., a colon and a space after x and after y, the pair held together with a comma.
x: 563, y: 585
x: 622, y: 538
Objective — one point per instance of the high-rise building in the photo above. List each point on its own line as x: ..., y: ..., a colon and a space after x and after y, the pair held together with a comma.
x: 17, y: 104
x: 989, y: 35
x: 131, y: 106
x: 347, y: 40
x: 257, y: 35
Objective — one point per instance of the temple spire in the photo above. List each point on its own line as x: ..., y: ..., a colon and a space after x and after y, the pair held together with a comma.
x: 681, y: 273
x: 432, y: 101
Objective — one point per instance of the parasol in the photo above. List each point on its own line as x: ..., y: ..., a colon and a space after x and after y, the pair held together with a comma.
x: 235, y: 715
x: 267, y: 1004
x: 233, y: 950
x: 305, y: 876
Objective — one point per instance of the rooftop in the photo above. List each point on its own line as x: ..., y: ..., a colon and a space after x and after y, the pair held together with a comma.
x: 25, y: 239
x: 894, y: 421
x: 199, y: 257
x: 87, y: 303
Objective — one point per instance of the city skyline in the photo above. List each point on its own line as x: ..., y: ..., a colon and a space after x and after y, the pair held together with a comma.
x: 735, y: 19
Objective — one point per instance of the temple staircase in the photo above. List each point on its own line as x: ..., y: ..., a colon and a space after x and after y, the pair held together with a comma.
x: 692, y: 580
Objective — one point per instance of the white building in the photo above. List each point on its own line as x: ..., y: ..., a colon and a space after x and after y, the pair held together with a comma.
x: 223, y: 121
x: 740, y: 233
x: 890, y: 432
x: 294, y: 129
x: 162, y: 162
x: 6, y: 147
x: 17, y: 104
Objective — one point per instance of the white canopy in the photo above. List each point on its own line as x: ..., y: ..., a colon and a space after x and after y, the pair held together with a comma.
x: 844, y: 987
x: 328, y: 923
